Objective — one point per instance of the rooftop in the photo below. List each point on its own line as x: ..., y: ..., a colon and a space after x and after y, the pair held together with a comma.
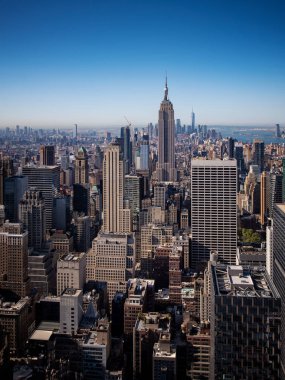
x: 243, y: 281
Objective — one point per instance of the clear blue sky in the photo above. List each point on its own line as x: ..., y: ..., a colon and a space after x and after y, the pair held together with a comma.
x: 91, y: 62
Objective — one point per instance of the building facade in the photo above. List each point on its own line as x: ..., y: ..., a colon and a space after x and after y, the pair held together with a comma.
x: 213, y: 210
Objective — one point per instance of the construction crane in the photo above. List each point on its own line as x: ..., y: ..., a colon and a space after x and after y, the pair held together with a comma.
x: 129, y: 124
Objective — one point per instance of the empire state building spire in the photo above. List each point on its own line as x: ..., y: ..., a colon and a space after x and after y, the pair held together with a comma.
x: 166, y: 158
x: 166, y: 89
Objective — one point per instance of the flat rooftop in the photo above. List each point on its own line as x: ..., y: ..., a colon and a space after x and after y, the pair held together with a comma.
x: 243, y: 281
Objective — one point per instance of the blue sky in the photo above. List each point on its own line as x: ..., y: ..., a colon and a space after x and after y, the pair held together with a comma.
x: 92, y: 62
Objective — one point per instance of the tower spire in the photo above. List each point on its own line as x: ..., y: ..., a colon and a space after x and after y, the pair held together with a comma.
x: 166, y: 89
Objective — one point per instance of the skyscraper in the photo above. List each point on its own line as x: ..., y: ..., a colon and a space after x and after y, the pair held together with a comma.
x: 116, y: 218
x: 14, y: 189
x: 47, y: 155
x: 279, y: 269
x: 14, y: 259
x: 258, y: 154
x: 81, y: 166
x: 278, y: 132
x: 32, y: 215
x: 6, y: 170
x: 46, y: 180
x: 213, y: 210
x: 193, y: 121
x: 126, y: 148
x: 245, y: 323
x: 166, y: 130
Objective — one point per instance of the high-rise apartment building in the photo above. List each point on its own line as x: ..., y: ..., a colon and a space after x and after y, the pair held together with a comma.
x: 32, y: 215
x: 213, y: 210
x: 46, y: 180
x: 245, y: 323
x: 116, y: 218
x: 47, y: 157
x: 14, y: 259
x: 166, y: 149
x: 279, y: 269
x: 81, y: 166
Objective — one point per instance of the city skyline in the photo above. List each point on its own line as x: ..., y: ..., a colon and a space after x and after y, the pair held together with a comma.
x: 92, y: 63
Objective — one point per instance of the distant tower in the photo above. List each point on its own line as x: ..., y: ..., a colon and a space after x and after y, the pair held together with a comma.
x: 278, y: 132
x: 126, y: 148
x: 81, y: 167
x: 47, y: 155
x: 231, y: 147
x: 193, y: 121
x: 32, y: 215
x: 258, y: 154
x: 166, y: 129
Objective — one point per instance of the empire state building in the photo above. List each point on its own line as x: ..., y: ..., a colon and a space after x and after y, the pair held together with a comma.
x: 166, y: 158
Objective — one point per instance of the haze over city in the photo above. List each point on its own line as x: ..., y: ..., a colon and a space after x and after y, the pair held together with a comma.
x: 93, y: 62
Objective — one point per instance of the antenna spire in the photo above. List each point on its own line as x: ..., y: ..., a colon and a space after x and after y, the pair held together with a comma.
x: 166, y: 89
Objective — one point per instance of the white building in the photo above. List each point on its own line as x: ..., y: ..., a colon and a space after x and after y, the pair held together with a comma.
x: 71, y: 272
x: 70, y: 310
x: 213, y: 210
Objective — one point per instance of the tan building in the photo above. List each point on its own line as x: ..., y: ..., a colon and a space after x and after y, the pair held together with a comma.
x: 116, y: 217
x: 47, y: 157
x: 151, y: 237
x: 62, y: 242
x: 14, y: 259
x: 198, y: 352
x: 175, y: 261
x: 146, y: 332
x: 140, y: 299
x: 81, y: 166
x: 111, y: 259
x: 184, y: 242
x: 71, y: 272
x: 14, y: 320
